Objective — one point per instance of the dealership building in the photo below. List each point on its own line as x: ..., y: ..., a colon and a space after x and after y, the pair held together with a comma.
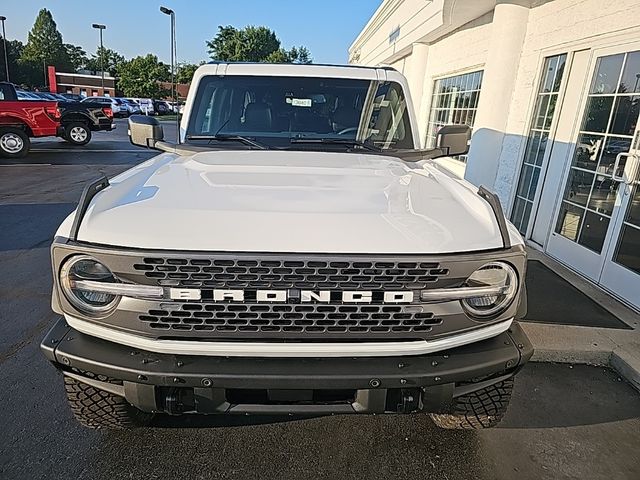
x: 552, y: 91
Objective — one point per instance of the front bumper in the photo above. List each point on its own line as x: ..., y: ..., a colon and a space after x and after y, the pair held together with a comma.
x: 157, y: 382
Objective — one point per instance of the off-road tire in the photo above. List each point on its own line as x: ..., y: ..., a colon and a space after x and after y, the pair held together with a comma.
x: 96, y: 409
x: 77, y: 133
x: 482, y: 409
x: 14, y: 142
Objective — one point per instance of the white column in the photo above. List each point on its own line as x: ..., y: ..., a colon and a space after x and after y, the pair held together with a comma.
x: 505, y: 48
x: 415, y: 70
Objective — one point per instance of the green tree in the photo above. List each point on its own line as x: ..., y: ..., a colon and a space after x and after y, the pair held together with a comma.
x: 14, y: 50
x: 76, y: 55
x: 44, y: 45
x: 253, y: 44
x: 110, y: 58
x: 185, y: 72
x: 141, y: 77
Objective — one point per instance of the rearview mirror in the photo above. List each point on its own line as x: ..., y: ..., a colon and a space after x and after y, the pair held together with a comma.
x: 454, y: 139
x: 145, y: 131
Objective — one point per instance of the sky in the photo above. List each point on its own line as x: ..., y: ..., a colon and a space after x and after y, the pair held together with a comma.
x: 137, y: 27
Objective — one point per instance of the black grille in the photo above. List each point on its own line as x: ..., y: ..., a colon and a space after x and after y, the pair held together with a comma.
x: 229, y: 318
x: 262, y: 273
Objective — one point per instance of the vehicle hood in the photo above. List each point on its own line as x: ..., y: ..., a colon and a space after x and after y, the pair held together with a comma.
x: 289, y: 201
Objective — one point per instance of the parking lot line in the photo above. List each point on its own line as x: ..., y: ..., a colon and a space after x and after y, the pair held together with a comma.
x: 42, y: 150
x: 24, y: 164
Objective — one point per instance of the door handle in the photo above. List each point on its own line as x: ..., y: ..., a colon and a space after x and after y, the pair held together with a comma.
x: 616, y: 165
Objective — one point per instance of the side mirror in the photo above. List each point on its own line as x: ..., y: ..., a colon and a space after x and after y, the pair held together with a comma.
x: 454, y: 139
x: 145, y: 131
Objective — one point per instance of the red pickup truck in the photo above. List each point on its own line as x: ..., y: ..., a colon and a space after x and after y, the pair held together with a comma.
x: 22, y: 119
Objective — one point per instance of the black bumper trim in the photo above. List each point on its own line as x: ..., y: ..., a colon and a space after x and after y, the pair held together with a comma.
x: 503, y: 354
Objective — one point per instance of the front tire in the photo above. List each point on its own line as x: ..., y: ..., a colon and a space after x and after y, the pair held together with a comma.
x: 14, y: 142
x: 477, y: 410
x: 97, y: 409
x: 77, y: 133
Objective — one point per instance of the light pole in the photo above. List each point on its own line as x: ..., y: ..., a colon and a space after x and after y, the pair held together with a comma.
x: 172, y: 14
x: 101, y: 28
x: 4, y: 40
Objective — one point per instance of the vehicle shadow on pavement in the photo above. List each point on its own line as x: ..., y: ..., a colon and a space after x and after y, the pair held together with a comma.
x: 82, y: 156
x: 30, y: 224
x: 351, y: 446
x: 554, y: 396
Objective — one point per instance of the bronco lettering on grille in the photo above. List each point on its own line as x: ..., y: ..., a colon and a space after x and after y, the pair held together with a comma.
x: 296, y: 296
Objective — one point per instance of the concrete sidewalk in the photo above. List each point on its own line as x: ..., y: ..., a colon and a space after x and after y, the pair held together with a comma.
x: 619, y: 349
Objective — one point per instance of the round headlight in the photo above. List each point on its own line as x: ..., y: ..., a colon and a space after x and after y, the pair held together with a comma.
x: 494, y: 274
x: 84, y: 267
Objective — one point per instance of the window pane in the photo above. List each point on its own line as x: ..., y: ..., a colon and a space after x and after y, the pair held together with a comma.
x: 597, y: 114
x: 579, y: 186
x: 633, y: 213
x: 534, y: 184
x: 607, y: 74
x: 559, y: 72
x: 569, y: 221
x: 525, y: 181
x: 518, y: 211
x: 628, y: 252
x: 630, y: 81
x: 593, y: 231
x: 625, y: 115
x: 532, y: 147
x: 456, y: 105
x: 550, y: 111
x: 541, y: 111
x: 603, y: 196
x: 588, y: 151
x: 612, y: 148
x: 543, y: 146
x: 552, y: 63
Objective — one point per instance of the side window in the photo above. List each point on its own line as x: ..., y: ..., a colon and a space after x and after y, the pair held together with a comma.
x: 5, y: 93
x: 389, y: 124
x: 454, y: 101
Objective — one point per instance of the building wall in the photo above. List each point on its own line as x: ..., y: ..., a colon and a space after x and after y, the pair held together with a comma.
x: 551, y: 26
x: 555, y: 27
x: 88, y: 85
x: 461, y: 51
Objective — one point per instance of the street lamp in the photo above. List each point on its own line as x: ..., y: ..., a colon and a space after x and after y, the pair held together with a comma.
x: 4, y: 40
x: 101, y: 28
x: 172, y: 14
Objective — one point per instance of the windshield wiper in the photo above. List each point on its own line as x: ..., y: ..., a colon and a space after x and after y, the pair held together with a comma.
x: 339, y: 141
x: 229, y: 138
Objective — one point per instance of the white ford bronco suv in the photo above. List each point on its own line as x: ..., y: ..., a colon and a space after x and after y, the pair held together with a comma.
x: 296, y: 252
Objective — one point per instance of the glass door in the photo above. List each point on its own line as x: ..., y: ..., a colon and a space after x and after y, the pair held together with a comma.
x: 621, y: 272
x: 589, y: 218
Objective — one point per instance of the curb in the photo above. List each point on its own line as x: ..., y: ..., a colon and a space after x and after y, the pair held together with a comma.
x: 618, y: 349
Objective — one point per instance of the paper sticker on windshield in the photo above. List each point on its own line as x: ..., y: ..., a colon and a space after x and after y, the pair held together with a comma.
x: 301, y: 102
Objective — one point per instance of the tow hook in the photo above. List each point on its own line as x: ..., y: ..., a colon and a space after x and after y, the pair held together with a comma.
x: 409, y: 400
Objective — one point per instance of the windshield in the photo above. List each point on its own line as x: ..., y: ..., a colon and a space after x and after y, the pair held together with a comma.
x: 275, y: 110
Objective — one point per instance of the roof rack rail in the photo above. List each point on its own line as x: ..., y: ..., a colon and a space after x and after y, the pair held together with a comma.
x: 88, y: 193
x: 494, y: 202
x: 379, y: 67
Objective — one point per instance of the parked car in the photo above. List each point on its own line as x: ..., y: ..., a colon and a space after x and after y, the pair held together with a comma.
x: 132, y: 107
x: 73, y: 96
x: 292, y: 255
x: 146, y: 105
x: 24, y: 118
x: 161, y: 107
x: 78, y: 119
x: 115, y: 107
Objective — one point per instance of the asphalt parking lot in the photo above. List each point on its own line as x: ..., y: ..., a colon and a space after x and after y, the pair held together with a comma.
x: 565, y: 421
